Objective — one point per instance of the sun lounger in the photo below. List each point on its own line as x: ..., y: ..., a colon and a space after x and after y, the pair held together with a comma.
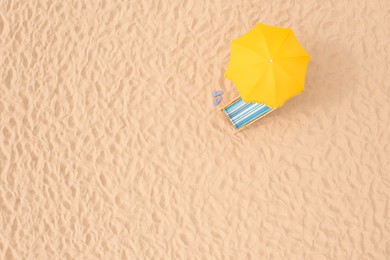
x: 241, y: 114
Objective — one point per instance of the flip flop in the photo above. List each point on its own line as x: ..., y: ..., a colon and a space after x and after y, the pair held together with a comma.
x: 217, y: 100
x: 217, y: 93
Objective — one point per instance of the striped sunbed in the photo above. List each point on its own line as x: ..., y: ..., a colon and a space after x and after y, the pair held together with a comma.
x: 241, y: 114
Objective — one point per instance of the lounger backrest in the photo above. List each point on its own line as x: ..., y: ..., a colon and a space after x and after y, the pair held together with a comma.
x: 241, y: 113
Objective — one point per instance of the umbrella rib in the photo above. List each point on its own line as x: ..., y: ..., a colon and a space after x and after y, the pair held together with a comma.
x: 266, y: 42
x: 281, y: 45
x: 295, y: 57
x: 288, y: 74
x: 250, y: 66
x: 257, y: 82
x: 251, y: 49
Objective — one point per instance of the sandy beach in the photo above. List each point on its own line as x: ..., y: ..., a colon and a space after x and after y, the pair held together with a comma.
x: 110, y: 147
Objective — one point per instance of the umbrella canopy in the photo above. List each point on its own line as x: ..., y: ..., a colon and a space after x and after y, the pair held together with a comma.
x: 268, y: 65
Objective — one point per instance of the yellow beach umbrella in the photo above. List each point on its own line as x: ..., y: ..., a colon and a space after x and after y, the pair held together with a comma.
x: 268, y: 65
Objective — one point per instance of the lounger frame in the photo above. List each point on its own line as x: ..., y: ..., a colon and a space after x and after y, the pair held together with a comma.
x: 239, y: 129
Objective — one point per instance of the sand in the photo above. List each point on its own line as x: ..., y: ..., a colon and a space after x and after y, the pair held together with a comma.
x: 110, y: 147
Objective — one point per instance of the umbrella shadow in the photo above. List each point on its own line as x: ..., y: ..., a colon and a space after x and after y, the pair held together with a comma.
x: 326, y: 85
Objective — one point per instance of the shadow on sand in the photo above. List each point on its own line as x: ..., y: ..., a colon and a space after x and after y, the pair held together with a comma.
x: 324, y: 88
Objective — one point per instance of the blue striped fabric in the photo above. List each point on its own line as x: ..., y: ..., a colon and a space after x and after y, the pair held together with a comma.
x: 241, y: 113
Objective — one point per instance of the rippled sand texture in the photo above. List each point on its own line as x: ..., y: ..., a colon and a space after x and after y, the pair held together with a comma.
x: 110, y: 147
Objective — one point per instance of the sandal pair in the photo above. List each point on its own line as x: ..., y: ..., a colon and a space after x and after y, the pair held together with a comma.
x: 218, y: 95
